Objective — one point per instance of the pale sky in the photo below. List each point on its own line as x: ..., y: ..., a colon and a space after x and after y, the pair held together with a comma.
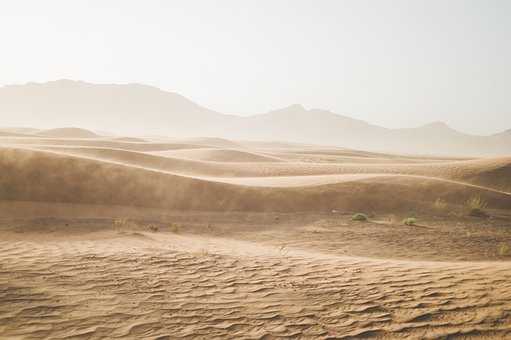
x: 392, y: 63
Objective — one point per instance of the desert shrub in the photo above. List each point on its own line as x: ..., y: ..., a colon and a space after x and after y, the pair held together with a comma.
x: 476, y: 202
x: 504, y: 249
x: 174, y: 228
x: 283, y: 250
x: 120, y: 222
x: 359, y: 217
x: 153, y: 228
x: 440, y: 204
x: 475, y: 206
x: 410, y: 221
x: 123, y: 223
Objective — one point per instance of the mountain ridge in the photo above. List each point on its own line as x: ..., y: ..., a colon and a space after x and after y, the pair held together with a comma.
x: 136, y: 108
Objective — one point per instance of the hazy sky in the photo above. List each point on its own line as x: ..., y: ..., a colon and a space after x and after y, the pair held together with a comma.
x: 393, y: 63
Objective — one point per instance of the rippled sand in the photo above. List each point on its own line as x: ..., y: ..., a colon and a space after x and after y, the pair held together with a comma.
x: 129, y: 239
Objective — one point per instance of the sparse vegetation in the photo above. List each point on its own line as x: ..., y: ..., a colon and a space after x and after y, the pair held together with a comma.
x: 410, y: 221
x: 123, y: 223
x: 359, y: 217
x: 283, y: 250
x: 174, y: 228
x: 120, y: 222
x: 475, y: 206
x: 476, y: 202
x: 440, y: 204
x: 153, y: 228
x: 504, y: 249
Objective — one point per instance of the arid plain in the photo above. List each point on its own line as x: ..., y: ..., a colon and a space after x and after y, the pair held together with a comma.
x: 160, y: 238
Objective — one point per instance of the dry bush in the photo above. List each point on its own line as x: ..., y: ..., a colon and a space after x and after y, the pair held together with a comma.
x: 283, y: 250
x: 476, y: 202
x: 440, y: 204
x: 123, y: 223
x: 410, y: 221
x: 475, y: 206
x: 174, y: 228
x: 359, y: 217
x: 120, y: 222
x: 504, y: 250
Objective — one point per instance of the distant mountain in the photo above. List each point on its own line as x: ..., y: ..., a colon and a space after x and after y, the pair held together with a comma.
x: 141, y: 109
x: 130, y: 107
x: 295, y: 123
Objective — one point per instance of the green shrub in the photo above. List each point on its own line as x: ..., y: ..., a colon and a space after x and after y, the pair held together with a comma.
x: 410, y: 221
x: 359, y: 217
x: 504, y: 249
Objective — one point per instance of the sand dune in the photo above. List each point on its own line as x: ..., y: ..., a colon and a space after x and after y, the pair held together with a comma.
x: 211, y: 141
x: 43, y: 176
x: 20, y: 130
x: 494, y: 173
x: 218, y: 155
x: 336, y: 155
x: 129, y: 139
x: 201, y: 238
x: 99, y: 143
x: 67, y: 133
x: 12, y: 134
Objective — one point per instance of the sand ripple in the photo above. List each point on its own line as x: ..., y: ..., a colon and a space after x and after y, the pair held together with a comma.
x: 137, y: 287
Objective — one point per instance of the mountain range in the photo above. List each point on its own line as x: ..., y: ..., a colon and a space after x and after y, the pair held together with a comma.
x: 141, y: 109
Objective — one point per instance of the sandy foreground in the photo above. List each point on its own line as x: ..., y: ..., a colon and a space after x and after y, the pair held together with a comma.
x: 210, y: 242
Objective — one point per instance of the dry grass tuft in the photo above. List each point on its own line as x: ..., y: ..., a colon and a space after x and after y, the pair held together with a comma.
x: 123, y: 223
x: 359, y: 217
x: 174, y: 228
x: 476, y: 202
x: 475, y: 206
x: 410, y: 221
x: 504, y: 249
x: 440, y: 204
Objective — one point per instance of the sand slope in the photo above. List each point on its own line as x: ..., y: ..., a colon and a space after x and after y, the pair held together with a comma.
x: 155, y: 286
x: 67, y: 133
x: 219, y: 155
x: 184, y: 159
x: 123, y: 238
x: 44, y: 176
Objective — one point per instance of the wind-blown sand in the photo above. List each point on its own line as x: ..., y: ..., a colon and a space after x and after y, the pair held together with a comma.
x: 146, y: 239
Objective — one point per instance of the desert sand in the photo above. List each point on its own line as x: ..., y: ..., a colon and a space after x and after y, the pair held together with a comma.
x: 154, y: 238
